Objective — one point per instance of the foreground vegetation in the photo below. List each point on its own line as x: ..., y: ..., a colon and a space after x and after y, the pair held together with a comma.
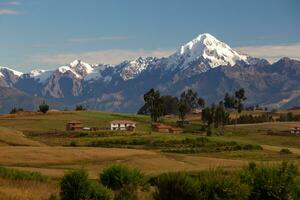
x: 120, y: 182
x: 36, y: 142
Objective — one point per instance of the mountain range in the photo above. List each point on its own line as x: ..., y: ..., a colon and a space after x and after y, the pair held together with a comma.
x: 205, y: 64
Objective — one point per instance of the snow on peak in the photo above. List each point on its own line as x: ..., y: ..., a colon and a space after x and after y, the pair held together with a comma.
x: 81, y: 66
x: 40, y: 74
x: 211, y: 49
x: 134, y: 67
x: 78, y: 68
x: 6, y: 69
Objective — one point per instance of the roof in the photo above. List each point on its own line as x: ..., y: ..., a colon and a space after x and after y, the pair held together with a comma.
x: 176, y: 129
x: 74, y: 122
x: 122, y: 122
x: 162, y: 126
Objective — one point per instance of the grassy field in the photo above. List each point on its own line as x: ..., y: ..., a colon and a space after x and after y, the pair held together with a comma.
x: 37, y: 142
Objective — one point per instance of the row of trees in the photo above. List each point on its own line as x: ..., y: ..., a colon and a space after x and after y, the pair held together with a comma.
x: 218, y: 115
x: 157, y: 106
x: 120, y: 182
x: 42, y: 108
x: 215, y: 115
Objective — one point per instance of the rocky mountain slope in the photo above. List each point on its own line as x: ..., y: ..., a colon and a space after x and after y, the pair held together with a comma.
x: 205, y: 64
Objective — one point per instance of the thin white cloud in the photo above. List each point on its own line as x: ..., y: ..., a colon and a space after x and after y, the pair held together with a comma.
x: 114, y: 56
x: 14, y: 3
x: 99, y: 38
x: 9, y: 12
x: 272, y: 52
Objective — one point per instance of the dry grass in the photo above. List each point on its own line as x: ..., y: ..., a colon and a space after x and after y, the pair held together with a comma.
x: 26, y: 190
x: 54, y: 161
x: 258, y: 134
x: 15, y: 138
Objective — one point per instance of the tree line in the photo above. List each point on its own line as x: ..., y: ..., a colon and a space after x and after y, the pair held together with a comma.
x: 213, y: 116
x: 157, y: 106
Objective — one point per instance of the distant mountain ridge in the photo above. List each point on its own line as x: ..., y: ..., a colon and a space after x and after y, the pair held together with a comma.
x: 204, y: 64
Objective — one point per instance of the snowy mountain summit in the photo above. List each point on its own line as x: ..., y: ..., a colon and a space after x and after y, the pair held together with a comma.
x: 78, y: 68
x: 207, y: 51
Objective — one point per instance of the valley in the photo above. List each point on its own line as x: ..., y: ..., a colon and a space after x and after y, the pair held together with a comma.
x: 40, y: 143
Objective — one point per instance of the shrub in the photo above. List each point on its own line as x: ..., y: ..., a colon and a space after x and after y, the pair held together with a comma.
x: 73, y: 144
x: 123, y: 180
x: 176, y: 186
x: 80, y: 108
x: 126, y: 194
x: 16, y: 110
x: 217, y: 184
x: 44, y: 107
x: 285, y: 151
x: 53, y: 197
x: 15, y: 174
x: 75, y: 186
x: 99, y: 192
x: 118, y: 176
x: 271, y: 183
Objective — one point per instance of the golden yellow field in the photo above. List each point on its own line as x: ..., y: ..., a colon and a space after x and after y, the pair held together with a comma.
x: 27, y: 143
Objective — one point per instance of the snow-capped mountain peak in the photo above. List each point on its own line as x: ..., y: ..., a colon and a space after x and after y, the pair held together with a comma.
x: 8, y: 70
x: 81, y: 66
x: 8, y: 76
x: 78, y: 68
x: 40, y: 74
x: 207, y: 47
x: 133, y: 68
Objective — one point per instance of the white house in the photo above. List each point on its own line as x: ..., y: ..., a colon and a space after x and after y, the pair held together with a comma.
x: 122, y: 125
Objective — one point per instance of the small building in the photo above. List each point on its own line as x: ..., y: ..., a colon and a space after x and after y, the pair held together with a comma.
x: 175, y: 130
x: 161, y: 128
x: 74, y: 126
x: 122, y: 125
x: 295, y: 131
x: 196, y: 111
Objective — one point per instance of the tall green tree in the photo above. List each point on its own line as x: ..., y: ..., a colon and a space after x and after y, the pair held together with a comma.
x: 229, y: 101
x: 154, y: 104
x: 201, y: 102
x: 221, y: 117
x: 183, y: 109
x: 170, y: 105
x: 208, y: 116
x: 241, y: 97
x: 190, y: 98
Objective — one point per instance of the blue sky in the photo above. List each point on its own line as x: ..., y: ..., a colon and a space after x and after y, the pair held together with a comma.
x: 48, y: 33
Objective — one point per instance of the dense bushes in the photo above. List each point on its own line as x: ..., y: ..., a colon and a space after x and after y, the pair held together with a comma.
x: 118, y: 176
x: 125, y: 181
x: 266, y: 117
x: 176, y: 186
x: 271, y: 183
x: 289, y: 117
x: 99, y: 192
x: 285, y: 151
x: 250, y: 183
x: 217, y: 184
x: 252, y: 119
x: 211, y: 149
x: 15, y: 174
x: 253, y: 183
x: 187, y: 145
x: 77, y: 186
